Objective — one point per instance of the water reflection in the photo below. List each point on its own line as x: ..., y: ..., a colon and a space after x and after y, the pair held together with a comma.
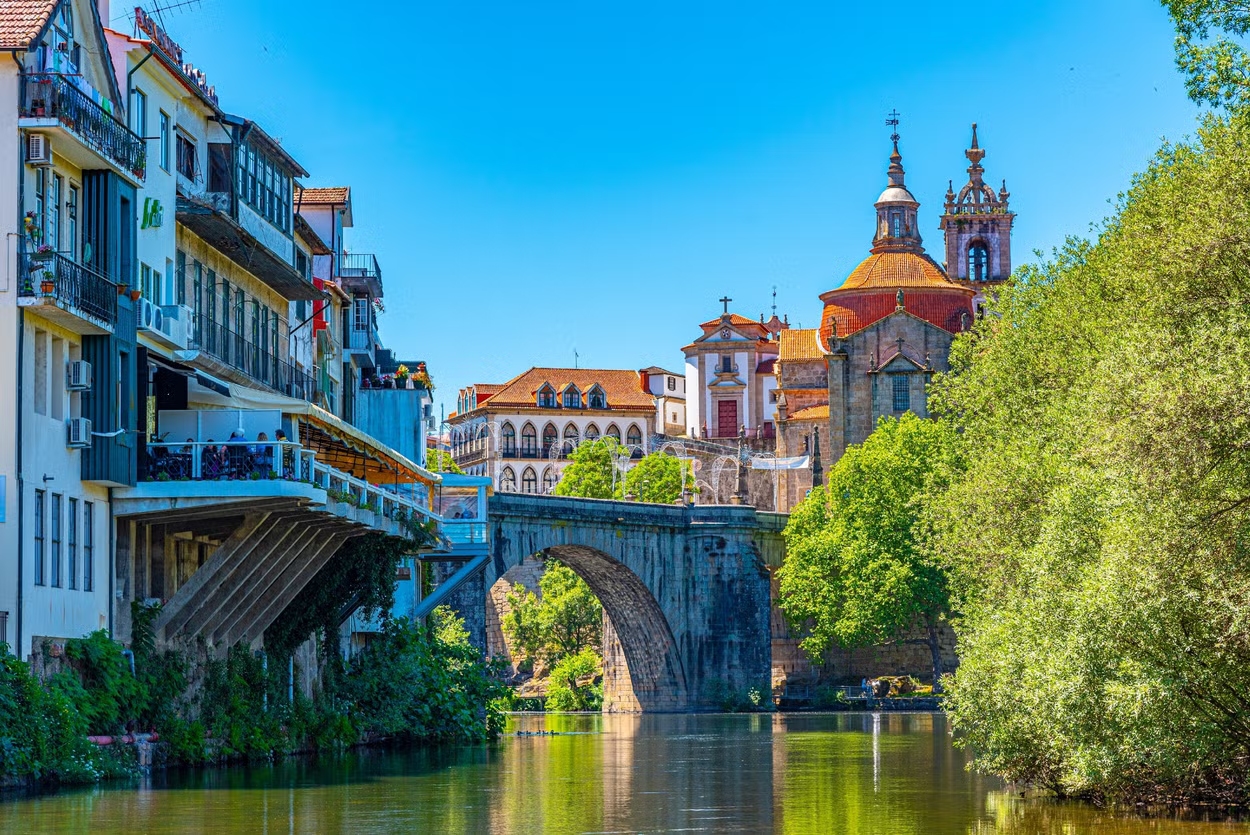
x: 844, y: 773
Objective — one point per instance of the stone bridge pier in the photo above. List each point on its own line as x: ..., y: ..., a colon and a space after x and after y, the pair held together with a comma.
x: 686, y: 591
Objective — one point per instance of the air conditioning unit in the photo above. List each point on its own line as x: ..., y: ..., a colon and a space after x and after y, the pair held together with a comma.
x: 79, y: 433
x: 150, y: 317
x: 78, y: 376
x: 38, y: 150
x: 176, y: 324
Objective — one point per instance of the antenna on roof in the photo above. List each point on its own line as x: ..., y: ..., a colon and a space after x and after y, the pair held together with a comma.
x: 774, y: 300
x: 575, y: 358
x: 156, y: 9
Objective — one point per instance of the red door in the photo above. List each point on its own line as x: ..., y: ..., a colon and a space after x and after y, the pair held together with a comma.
x: 727, y: 418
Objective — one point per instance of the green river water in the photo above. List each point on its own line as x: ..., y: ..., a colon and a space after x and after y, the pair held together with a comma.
x: 883, y: 774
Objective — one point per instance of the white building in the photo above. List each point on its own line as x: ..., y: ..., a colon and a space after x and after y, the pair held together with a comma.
x: 520, y: 433
x: 731, y: 384
x: 669, y: 390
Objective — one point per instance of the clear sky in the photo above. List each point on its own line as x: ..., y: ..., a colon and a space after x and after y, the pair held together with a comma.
x: 543, y: 178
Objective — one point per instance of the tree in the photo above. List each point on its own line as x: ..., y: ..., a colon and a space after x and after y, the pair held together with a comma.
x: 590, y: 473
x: 1099, y: 535
x: 855, y: 572
x: 567, y: 619
x: 658, y: 477
x: 1216, y: 68
x: 440, y: 460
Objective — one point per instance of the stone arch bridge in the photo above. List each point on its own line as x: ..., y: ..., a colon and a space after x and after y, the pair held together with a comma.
x: 686, y: 589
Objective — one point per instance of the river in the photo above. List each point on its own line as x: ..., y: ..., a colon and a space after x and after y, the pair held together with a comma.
x: 876, y: 774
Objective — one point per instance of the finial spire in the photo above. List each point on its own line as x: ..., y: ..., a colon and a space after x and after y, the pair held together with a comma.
x: 975, y: 155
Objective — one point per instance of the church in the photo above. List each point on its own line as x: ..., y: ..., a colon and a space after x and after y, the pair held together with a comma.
x: 884, y: 332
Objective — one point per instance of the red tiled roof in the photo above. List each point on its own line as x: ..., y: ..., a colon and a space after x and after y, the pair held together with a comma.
x: 800, y: 344
x: 767, y: 366
x: 331, y: 196
x: 811, y: 413
x: 21, y: 21
x: 622, y: 388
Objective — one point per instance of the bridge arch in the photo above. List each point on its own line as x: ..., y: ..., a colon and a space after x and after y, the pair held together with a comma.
x: 653, y: 667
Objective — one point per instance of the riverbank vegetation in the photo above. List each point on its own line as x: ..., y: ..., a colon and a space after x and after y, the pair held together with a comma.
x: 416, y: 683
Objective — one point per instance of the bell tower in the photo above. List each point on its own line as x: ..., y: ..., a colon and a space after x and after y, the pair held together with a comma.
x: 977, y: 227
x: 897, y: 229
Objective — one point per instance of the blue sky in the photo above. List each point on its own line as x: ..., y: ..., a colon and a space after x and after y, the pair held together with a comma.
x: 537, y: 179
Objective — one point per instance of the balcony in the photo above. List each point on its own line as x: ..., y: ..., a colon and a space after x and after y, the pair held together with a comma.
x: 55, y: 102
x: 231, y: 354
x: 360, y: 343
x: 68, y: 293
x: 360, y: 273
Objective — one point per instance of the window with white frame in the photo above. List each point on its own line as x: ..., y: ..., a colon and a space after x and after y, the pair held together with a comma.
x: 164, y: 133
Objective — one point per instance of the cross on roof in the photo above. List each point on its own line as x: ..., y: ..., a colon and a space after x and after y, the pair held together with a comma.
x: 725, y: 300
x: 892, y: 121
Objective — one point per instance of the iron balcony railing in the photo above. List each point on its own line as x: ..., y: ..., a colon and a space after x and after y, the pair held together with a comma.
x: 360, y: 266
x: 53, y: 95
x: 72, y: 284
x: 258, y: 362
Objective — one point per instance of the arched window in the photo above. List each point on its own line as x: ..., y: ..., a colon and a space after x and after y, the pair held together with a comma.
x: 550, y: 437
x: 529, y: 481
x: 546, y: 396
x: 507, y: 481
x: 596, y: 399
x: 896, y: 224
x: 572, y: 398
x: 529, y: 441
x: 592, y: 433
x: 549, y: 480
x: 614, y: 432
x: 634, y: 436
x: 508, y: 434
x: 570, y: 440
x: 978, y: 261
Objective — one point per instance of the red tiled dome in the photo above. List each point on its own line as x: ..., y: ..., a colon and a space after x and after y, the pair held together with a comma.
x: 870, y: 294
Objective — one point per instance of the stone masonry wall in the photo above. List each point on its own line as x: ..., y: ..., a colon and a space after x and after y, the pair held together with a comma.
x: 527, y: 574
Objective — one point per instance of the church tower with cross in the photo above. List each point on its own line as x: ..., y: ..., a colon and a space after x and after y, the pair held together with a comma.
x: 977, y: 225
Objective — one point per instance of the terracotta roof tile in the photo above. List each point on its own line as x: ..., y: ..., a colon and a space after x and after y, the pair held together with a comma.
x: 801, y: 344
x: 892, y: 270
x: 869, y: 294
x: 21, y: 21
x: 332, y: 196
x: 623, y: 388
x: 768, y: 366
x: 811, y: 413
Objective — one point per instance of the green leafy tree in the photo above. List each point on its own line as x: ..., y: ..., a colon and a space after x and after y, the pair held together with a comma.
x: 566, y: 620
x: 440, y: 461
x: 658, y: 477
x: 590, y: 471
x: 1215, y: 64
x: 856, y: 573
x: 1100, y: 534
x: 576, y: 682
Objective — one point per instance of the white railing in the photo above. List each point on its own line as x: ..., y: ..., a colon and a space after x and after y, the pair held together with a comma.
x: 290, y: 461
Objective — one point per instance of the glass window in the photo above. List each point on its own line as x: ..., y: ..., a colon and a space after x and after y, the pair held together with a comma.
x: 40, y: 560
x: 570, y: 439
x: 547, y: 397
x: 507, y: 481
x: 596, y: 400
x: 614, y: 431
x: 56, y: 540
x: 902, y: 392
x: 164, y: 140
x: 88, y: 546
x: 509, y: 439
x: 592, y: 432
x: 180, y: 273
x: 139, y: 123
x: 41, y: 204
x: 572, y: 398
x: 529, y: 439
x: 672, y: 383
x: 634, y: 436
x: 187, y: 164
x: 145, y: 281
x: 529, y: 481
x: 549, y: 480
x: 52, y: 232
x: 71, y: 223
x: 71, y: 544
x: 550, y: 436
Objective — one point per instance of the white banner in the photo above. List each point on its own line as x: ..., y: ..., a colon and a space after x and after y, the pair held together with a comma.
x: 802, y: 462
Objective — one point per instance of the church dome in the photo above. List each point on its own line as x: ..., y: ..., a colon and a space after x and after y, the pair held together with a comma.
x: 897, y: 272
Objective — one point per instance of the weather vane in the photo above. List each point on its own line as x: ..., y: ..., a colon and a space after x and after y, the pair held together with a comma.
x: 893, y: 122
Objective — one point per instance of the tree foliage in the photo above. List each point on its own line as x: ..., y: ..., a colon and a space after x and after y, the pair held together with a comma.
x: 566, y: 620
x: 658, y: 477
x: 1215, y: 64
x: 441, y: 461
x: 856, y: 573
x: 1101, y: 530
x: 589, y: 473
x: 575, y: 682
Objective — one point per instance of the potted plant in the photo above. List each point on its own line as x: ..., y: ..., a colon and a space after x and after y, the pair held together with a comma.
x: 135, y: 294
x: 43, y: 252
x: 47, y: 283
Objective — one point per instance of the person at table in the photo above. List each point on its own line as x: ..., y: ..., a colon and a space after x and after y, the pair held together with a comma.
x: 262, y: 454
x: 237, y: 455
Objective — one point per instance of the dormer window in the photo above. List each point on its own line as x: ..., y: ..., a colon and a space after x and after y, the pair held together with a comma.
x: 596, y: 399
x: 547, y: 397
x: 572, y: 398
